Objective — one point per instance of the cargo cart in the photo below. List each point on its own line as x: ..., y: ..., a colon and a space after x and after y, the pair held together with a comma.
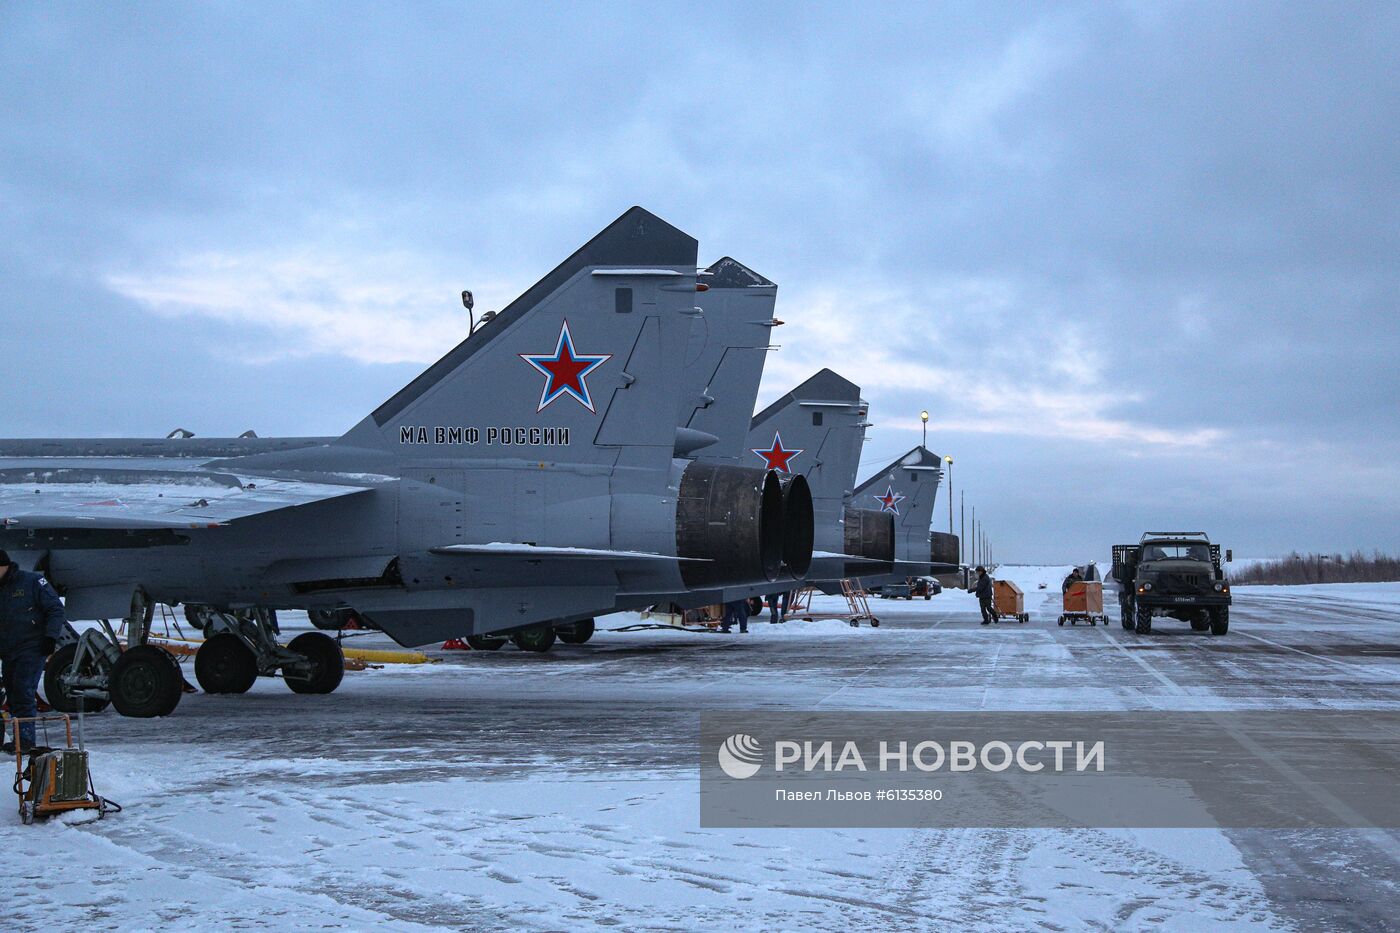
x: 1084, y: 603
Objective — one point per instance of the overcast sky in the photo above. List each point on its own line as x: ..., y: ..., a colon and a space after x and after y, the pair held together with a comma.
x: 1141, y: 261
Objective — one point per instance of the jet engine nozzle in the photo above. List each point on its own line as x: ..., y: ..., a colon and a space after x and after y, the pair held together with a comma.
x: 730, y: 521
x: 869, y: 533
x: 943, y: 549
x: 798, y: 527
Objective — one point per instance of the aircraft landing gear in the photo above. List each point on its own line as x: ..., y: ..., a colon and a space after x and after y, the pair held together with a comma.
x: 575, y: 633
x: 143, y: 681
x: 534, y: 638
x: 241, y: 645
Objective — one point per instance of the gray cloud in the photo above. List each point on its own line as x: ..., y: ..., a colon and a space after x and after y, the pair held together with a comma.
x: 1137, y: 259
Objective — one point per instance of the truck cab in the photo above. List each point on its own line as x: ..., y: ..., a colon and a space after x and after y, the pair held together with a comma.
x: 1172, y: 574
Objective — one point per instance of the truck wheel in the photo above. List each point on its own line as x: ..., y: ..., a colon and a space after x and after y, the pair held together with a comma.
x: 223, y: 664
x: 1144, y: 621
x: 575, y: 633
x: 1201, y: 620
x: 59, y: 663
x: 145, y: 682
x: 485, y: 642
x: 1220, y: 620
x: 534, y: 638
x: 327, y: 663
x: 1125, y: 612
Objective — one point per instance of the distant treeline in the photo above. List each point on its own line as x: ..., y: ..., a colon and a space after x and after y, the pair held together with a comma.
x: 1321, y: 568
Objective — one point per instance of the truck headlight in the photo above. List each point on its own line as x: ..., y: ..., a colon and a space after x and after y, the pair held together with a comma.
x: 1146, y: 587
x: 1220, y: 587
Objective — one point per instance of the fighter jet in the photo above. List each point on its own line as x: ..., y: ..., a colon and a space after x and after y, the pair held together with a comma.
x: 906, y: 490
x: 527, y: 476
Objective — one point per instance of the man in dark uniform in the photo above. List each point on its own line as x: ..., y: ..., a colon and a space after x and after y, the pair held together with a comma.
x: 736, y: 611
x: 984, y: 596
x: 1074, y: 577
x: 31, y: 621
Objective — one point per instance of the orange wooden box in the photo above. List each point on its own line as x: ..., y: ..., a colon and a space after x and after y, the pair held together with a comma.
x: 1009, y: 599
x: 1085, y: 597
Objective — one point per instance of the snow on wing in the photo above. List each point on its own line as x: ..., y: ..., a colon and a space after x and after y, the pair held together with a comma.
x: 147, y: 499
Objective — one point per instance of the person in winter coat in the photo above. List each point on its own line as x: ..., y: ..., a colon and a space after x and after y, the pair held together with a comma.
x: 736, y: 611
x: 1074, y: 577
x: 31, y: 621
x: 984, y: 596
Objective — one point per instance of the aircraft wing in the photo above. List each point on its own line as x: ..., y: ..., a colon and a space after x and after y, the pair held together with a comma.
x: 510, y: 551
x: 137, y: 499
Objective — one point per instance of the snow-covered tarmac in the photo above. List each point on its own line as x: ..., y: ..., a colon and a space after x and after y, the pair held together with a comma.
x: 508, y: 790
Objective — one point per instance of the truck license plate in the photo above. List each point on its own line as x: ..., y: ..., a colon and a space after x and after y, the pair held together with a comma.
x: 1181, y: 599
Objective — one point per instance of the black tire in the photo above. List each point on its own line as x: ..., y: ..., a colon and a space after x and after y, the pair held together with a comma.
x: 874, y: 622
x: 58, y: 664
x: 145, y: 683
x: 1220, y: 621
x: 484, y: 642
x: 327, y: 664
x: 1062, y: 620
x: 1201, y: 620
x: 1144, y: 621
x: 538, y: 638
x: 575, y: 633
x: 1126, y: 614
x: 224, y: 664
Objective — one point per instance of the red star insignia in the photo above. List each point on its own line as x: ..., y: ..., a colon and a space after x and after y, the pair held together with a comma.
x: 890, y: 501
x: 777, y: 456
x: 565, y: 370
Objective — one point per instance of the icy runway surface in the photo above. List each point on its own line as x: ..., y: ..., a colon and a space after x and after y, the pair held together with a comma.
x: 508, y: 790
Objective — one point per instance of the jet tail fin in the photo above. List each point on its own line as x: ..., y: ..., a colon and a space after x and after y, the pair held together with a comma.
x: 816, y: 430
x: 578, y: 368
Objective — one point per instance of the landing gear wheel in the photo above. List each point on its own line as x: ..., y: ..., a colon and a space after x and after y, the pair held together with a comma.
x: 327, y: 663
x: 575, y: 633
x: 1220, y: 620
x: 484, y: 642
x: 59, y: 664
x: 534, y: 638
x: 1144, y: 621
x: 224, y: 664
x: 145, y: 683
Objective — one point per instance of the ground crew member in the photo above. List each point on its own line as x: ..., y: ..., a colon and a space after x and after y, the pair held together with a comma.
x: 1074, y: 577
x: 736, y: 611
x: 31, y: 620
x: 778, y: 606
x: 984, y: 596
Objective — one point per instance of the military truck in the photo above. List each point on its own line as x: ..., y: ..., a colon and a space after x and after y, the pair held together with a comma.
x: 1175, y: 574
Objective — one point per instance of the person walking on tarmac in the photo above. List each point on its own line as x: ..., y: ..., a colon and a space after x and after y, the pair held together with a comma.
x: 778, y: 606
x: 31, y: 621
x: 736, y: 611
x: 984, y: 596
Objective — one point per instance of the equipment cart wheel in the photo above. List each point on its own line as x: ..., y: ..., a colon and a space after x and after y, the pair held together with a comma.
x: 145, y: 682
x: 1062, y: 620
x: 575, y: 633
x: 1023, y: 617
x: 534, y: 638
x: 59, y: 664
x: 327, y: 664
x: 874, y: 622
x: 485, y: 642
x: 224, y: 664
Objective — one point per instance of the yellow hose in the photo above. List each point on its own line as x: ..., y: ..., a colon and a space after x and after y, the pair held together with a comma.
x: 386, y: 657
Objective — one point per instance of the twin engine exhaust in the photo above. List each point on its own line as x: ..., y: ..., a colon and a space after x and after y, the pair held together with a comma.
x: 741, y: 525
x: 869, y: 533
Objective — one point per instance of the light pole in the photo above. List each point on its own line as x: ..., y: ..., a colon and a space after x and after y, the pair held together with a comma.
x: 962, y: 528
x: 949, y: 461
x: 923, y: 416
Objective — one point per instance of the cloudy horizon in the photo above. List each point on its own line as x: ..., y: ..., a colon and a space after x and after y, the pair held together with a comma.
x: 1136, y: 260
